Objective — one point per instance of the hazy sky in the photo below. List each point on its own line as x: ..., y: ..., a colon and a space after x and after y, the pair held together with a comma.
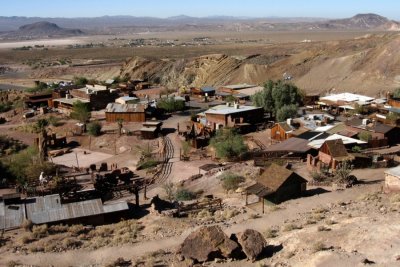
x: 199, y: 8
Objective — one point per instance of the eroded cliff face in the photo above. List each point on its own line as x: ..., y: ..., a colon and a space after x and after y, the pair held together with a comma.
x: 369, y: 65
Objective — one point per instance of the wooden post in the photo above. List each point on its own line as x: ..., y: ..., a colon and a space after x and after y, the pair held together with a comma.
x: 247, y: 203
x: 137, y: 197
x: 145, y: 192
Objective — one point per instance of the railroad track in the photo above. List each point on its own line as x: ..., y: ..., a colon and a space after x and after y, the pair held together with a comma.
x: 161, y: 176
x: 259, y: 143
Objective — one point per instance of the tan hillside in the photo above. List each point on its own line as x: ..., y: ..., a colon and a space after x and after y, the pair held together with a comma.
x: 366, y: 65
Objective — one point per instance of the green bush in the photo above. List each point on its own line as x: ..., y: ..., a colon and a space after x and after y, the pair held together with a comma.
x: 228, y: 144
x: 183, y: 194
x: 365, y: 136
x: 231, y: 181
x: 170, y: 104
x: 150, y: 163
x: 94, y: 128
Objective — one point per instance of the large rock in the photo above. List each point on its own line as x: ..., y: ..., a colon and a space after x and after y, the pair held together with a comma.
x: 208, y: 243
x: 252, y: 242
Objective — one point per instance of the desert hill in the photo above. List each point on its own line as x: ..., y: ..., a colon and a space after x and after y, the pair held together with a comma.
x: 42, y: 29
x: 370, y: 65
x: 362, y: 21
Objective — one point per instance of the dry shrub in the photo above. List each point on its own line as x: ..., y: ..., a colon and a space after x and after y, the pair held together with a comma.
x: 254, y: 216
x: 40, y: 231
x: 310, y: 221
x: 60, y: 228
x: 76, y: 229
x: 318, y: 246
x: 323, y: 229
x: 330, y: 222
x: 27, y: 225
x: 271, y: 233
x: 291, y: 226
x: 120, y: 262
x: 318, y: 217
x: 69, y: 243
x: 204, y: 215
x: 27, y: 238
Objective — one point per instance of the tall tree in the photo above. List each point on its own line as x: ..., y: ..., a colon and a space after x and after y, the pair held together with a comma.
x: 276, y: 95
x: 80, y: 112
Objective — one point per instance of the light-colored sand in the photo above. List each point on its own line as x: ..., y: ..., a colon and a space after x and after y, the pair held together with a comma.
x: 77, y: 158
x: 45, y: 42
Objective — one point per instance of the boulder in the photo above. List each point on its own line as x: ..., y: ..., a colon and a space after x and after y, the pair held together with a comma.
x: 208, y: 243
x: 252, y: 242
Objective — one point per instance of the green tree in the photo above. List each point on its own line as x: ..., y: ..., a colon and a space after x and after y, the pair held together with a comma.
x: 80, y: 112
x: 365, y: 136
x: 275, y: 95
x: 228, y: 144
x: 94, y: 128
x: 170, y: 104
x: 80, y: 81
x: 286, y: 112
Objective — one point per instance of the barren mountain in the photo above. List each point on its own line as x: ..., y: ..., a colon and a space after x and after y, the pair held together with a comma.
x: 362, y: 21
x: 42, y: 29
x: 368, y: 65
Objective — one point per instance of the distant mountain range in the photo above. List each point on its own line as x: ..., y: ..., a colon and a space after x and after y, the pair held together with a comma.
x: 36, y: 26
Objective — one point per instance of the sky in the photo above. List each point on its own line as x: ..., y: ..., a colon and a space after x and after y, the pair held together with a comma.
x: 199, y: 8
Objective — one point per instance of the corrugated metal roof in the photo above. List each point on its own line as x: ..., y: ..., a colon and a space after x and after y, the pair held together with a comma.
x: 122, y: 108
x: 49, y: 209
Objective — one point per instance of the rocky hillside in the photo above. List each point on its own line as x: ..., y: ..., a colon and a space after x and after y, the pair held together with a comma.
x: 370, y: 65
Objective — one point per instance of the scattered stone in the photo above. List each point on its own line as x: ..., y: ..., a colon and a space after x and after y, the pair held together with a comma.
x: 207, y: 244
x: 252, y: 242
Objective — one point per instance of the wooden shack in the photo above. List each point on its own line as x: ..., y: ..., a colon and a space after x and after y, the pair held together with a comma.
x: 277, y: 184
x: 125, y: 112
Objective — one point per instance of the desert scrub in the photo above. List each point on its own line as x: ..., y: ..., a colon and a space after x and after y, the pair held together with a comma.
x: 77, y: 229
x: 330, y: 222
x: 27, y: 225
x: 318, y: 246
x: 226, y: 214
x: 71, y: 243
x: 231, y: 181
x: 395, y: 198
x: 40, y: 231
x: 271, y: 233
x: 323, y: 229
x: 27, y: 238
x: 291, y: 226
x: 205, y: 215
x: 183, y: 194
x: 123, y: 232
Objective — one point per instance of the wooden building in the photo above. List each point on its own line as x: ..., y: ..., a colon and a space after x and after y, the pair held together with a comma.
x: 232, y: 115
x: 97, y: 95
x: 277, y: 184
x: 381, y: 134
x: 331, y: 154
x: 50, y: 209
x: 125, y: 112
x: 37, y: 99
